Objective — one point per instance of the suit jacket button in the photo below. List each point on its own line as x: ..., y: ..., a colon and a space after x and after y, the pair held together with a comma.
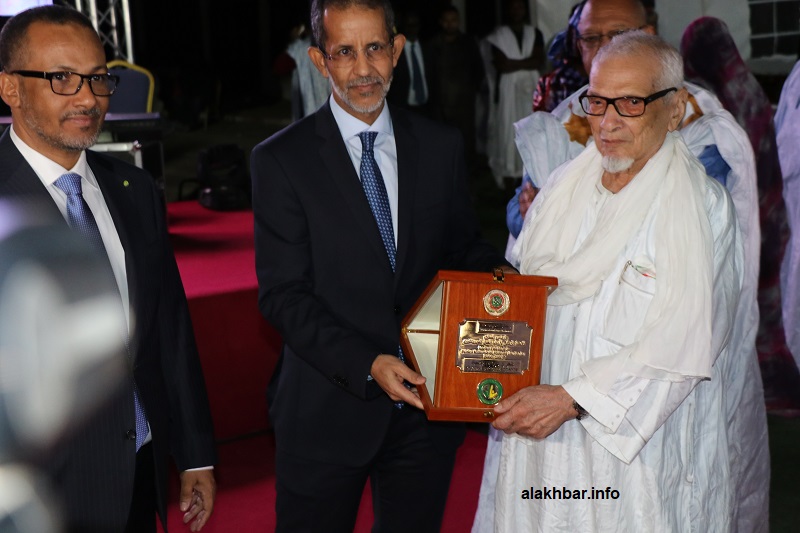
x: 397, y: 309
x: 130, y: 435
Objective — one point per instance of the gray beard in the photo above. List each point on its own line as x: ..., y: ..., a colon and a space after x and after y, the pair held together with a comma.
x: 615, y: 165
x: 342, y: 94
x: 63, y: 143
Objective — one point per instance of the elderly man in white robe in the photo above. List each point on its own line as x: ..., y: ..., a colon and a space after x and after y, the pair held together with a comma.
x: 547, y: 140
x: 629, y: 423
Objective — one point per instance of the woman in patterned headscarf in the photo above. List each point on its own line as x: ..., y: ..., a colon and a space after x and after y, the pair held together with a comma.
x: 712, y: 60
x: 567, y: 75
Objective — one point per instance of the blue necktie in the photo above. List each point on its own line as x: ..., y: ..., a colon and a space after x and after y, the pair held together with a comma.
x: 375, y: 189
x: 416, y: 71
x: 81, y: 218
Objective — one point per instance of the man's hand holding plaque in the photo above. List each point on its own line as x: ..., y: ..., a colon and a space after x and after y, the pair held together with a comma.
x: 535, y: 411
x: 391, y: 374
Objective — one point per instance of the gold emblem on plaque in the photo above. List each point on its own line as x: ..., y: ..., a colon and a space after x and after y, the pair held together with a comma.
x: 496, y: 302
x: 489, y: 391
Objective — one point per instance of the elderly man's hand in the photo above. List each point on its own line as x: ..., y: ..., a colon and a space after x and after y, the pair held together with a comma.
x: 534, y: 411
x: 526, y: 196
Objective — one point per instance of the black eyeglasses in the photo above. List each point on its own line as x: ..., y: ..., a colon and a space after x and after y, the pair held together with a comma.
x: 346, y: 57
x: 68, y: 83
x: 626, y: 106
x: 595, y: 40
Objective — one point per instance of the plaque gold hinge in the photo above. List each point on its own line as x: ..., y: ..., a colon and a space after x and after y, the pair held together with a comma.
x: 499, y: 275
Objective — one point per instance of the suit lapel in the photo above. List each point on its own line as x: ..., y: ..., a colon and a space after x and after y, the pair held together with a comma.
x: 341, y: 171
x: 407, y: 172
x: 121, y: 206
x: 19, y: 181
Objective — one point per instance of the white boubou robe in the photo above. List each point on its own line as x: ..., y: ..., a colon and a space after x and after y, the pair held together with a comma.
x: 545, y: 143
x: 659, y: 445
x: 515, y: 90
x: 787, y: 128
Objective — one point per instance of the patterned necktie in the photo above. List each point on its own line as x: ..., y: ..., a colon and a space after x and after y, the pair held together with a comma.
x: 416, y: 71
x: 375, y: 189
x: 81, y: 218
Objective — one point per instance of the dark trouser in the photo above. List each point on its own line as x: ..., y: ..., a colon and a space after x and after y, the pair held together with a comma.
x: 142, y: 516
x: 408, y: 476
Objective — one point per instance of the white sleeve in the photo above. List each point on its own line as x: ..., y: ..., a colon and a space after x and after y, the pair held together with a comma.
x: 625, y: 419
x: 543, y: 144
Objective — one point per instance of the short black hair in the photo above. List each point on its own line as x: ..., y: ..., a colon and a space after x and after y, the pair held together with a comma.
x: 12, y: 37
x: 318, y: 8
x: 449, y: 8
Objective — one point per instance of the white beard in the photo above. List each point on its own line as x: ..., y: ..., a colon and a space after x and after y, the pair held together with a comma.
x: 345, y: 97
x: 615, y: 165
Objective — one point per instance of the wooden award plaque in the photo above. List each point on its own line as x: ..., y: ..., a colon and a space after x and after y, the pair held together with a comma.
x: 477, y: 338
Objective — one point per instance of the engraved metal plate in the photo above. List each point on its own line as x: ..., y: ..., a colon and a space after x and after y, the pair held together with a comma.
x: 494, y: 346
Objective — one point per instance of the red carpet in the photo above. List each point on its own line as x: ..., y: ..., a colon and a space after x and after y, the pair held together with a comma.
x: 214, y: 249
x: 238, y: 351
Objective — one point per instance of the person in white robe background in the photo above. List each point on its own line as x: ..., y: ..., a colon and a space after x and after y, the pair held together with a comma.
x: 309, y: 89
x: 649, y: 258
x: 312, y: 86
x: 517, y: 54
x: 787, y: 128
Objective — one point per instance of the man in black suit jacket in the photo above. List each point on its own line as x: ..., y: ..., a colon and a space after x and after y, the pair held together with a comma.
x: 407, y: 91
x: 105, y: 485
x: 327, y: 282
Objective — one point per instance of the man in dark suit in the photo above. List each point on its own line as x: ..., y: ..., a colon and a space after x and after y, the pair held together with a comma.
x: 411, y: 81
x: 112, y: 475
x: 457, y: 72
x: 356, y: 208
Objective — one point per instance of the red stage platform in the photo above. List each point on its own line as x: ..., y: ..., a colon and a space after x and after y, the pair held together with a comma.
x: 238, y: 348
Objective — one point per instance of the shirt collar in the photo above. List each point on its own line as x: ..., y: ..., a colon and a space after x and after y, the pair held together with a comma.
x: 601, y: 189
x: 48, y: 170
x: 350, y: 126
